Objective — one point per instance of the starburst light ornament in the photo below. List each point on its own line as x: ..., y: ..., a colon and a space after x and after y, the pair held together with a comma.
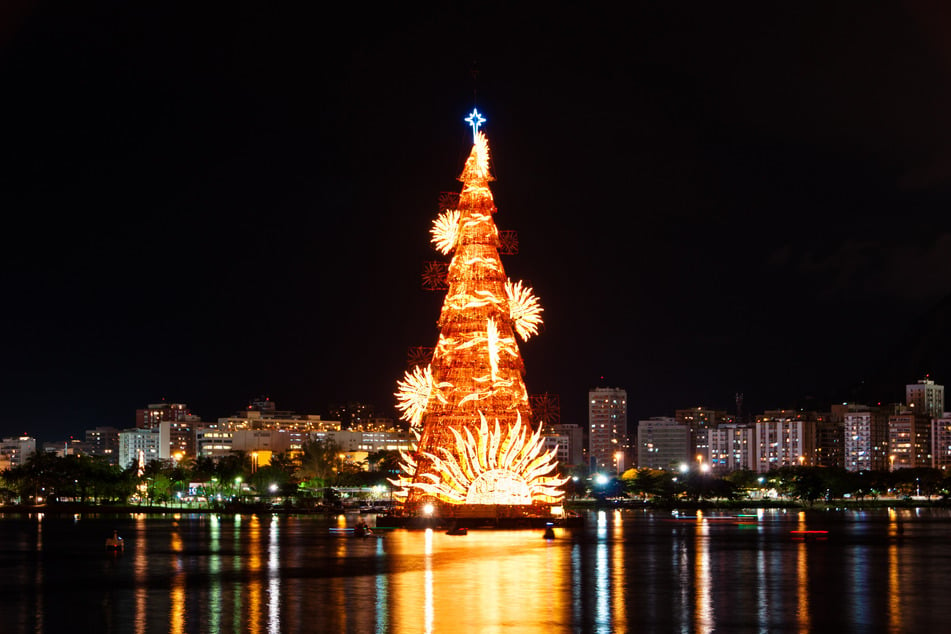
x: 415, y: 390
x: 445, y: 231
x: 524, y: 309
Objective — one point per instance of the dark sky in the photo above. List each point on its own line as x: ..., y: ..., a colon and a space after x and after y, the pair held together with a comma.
x: 204, y: 202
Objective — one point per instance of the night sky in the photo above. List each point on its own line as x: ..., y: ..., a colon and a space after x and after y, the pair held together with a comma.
x: 206, y: 202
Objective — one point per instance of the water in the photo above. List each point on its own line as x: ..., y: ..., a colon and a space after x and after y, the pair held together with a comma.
x: 633, y: 571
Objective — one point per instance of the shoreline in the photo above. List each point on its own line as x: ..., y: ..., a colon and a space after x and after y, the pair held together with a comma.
x: 72, y: 508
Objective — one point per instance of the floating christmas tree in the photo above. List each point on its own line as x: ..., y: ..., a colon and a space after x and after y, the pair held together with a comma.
x: 469, y: 406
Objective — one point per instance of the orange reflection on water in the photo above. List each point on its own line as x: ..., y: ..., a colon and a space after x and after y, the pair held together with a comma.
x: 214, y: 570
x: 703, y: 609
x: 177, y: 594
x: 274, y: 577
x: 802, y: 579
x: 254, y: 579
x: 140, y: 571
x: 618, y: 576
x: 486, y: 577
x: 895, y: 530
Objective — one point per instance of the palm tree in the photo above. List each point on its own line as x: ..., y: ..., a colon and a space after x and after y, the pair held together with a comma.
x: 320, y: 459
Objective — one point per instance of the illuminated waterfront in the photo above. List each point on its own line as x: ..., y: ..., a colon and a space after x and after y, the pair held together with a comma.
x: 632, y: 571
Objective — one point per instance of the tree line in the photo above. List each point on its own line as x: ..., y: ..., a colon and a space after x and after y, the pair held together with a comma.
x: 807, y: 484
x: 46, y: 478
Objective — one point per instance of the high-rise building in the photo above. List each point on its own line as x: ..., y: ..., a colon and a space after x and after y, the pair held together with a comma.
x: 702, y: 416
x: 866, y: 438
x: 181, y: 425
x: 926, y: 397
x: 607, y: 429
x: 732, y: 447
x: 154, y: 413
x: 701, y: 420
x: 663, y: 443
x: 830, y: 442
x: 941, y: 441
x: 353, y: 415
x: 909, y: 439
x: 14, y: 451
x: 569, y: 441
x: 146, y: 444
x: 103, y: 441
x: 784, y: 438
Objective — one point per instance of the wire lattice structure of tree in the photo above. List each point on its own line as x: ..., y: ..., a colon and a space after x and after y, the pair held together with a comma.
x: 508, y: 242
x: 419, y: 355
x: 435, y: 276
x: 546, y: 408
x: 448, y: 201
x: 478, y: 445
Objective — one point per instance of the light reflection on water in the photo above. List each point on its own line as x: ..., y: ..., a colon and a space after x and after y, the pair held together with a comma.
x: 633, y: 571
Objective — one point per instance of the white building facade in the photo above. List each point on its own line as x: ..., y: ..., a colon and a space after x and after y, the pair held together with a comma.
x: 926, y: 397
x: 732, y: 448
x: 865, y: 439
x: 784, y: 442
x: 145, y: 444
x: 663, y: 443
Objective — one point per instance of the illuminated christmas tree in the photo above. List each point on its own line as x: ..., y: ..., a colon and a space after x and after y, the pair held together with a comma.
x: 469, y: 406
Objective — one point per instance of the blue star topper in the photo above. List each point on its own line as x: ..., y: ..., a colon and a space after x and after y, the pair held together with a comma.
x: 475, y: 119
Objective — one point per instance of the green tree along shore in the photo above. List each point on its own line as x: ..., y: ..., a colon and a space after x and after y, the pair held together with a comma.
x: 304, y: 482
x: 801, y: 485
x: 312, y: 479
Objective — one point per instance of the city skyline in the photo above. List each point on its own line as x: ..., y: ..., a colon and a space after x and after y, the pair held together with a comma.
x: 209, y: 206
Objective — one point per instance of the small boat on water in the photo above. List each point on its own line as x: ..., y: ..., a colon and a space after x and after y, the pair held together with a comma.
x: 458, y: 531
x: 115, y: 542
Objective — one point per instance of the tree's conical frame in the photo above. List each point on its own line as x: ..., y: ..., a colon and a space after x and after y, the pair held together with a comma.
x: 470, y: 406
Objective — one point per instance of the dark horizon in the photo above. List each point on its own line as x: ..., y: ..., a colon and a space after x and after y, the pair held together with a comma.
x: 208, y: 203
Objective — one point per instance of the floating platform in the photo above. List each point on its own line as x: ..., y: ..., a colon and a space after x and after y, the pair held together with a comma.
x: 503, y: 523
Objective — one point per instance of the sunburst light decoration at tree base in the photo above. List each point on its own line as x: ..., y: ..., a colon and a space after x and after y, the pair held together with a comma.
x: 469, y: 406
x: 492, y: 468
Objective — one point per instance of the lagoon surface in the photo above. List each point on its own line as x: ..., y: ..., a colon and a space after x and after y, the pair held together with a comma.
x: 625, y: 571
